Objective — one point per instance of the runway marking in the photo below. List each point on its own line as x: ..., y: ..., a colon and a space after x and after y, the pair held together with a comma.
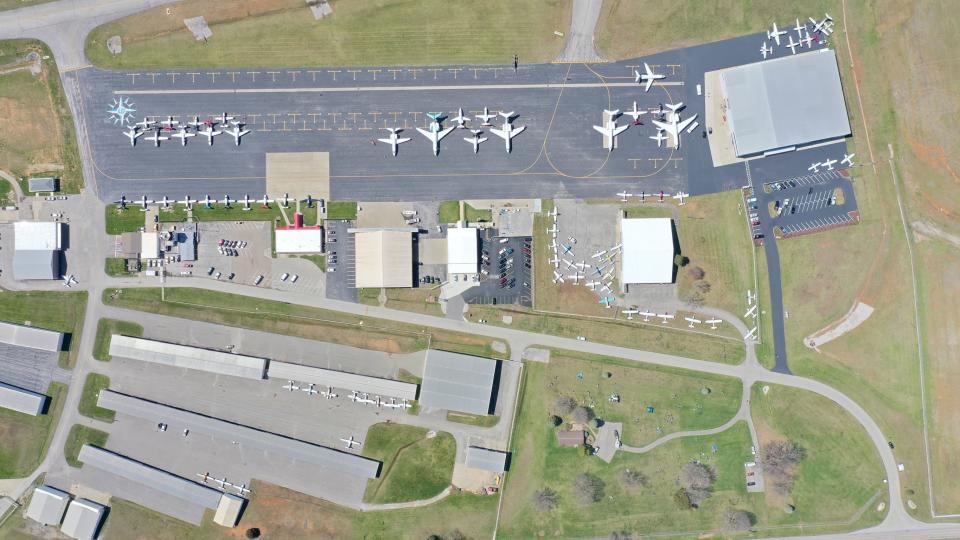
x: 153, y: 78
x: 334, y: 72
x: 673, y: 68
x: 475, y: 70
x: 353, y: 116
x: 324, y: 128
x: 374, y: 71
x: 415, y: 71
x: 133, y: 77
x: 394, y: 71
x: 293, y: 75
x: 305, y: 128
x: 675, y: 160
x: 416, y: 116
x: 334, y: 115
x: 253, y: 74
x: 496, y: 72
x: 313, y: 74
x: 173, y: 77
x: 634, y: 161
x: 540, y: 86
x: 434, y: 70
x: 656, y: 161
x: 233, y: 76
x: 375, y: 115
x: 354, y: 72
x: 365, y: 128
x: 213, y: 76
x: 344, y: 128
x: 274, y: 115
x: 313, y: 116
x: 295, y: 115
x: 273, y: 75
x: 254, y: 115
x: 455, y: 71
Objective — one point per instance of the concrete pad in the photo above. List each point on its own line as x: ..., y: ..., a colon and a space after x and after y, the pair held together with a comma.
x: 382, y: 215
x: 607, y: 440
x: 433, y: 251
x: 299, y: 174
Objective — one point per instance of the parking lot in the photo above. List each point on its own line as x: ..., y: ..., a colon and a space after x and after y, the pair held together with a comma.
x: 341, y: 274
x: 817, y: 224
x: 803, y: 204
x: 505, y: 269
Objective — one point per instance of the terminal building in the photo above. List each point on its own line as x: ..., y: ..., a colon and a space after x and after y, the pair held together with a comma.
x: 784, y: 104
x: 649, y: 246
x: 36, y: 249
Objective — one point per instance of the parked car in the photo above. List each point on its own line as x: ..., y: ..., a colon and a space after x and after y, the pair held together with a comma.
x: 258, y: 280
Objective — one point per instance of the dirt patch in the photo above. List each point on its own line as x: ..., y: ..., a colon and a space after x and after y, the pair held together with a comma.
x: 859, y: 313
x: 927, y: 229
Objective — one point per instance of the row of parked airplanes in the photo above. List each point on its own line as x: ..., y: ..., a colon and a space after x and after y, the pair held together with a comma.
x: 173, y: 128
x: 670, y: 124
x: 666, y: 318
x: 435, y: 132
x: 829, y: 163
x: 143, y: 202
x: 355, y: 396
x: 823, y: 27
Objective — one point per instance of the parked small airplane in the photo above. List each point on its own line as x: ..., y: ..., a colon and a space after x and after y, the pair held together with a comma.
x: 165, y: 202
x: 557, y: 277
x: 829, y: 164
x: 170, y: 123
x: 648, y: 76
x: 576, y: 277
x: 750, y: 335
x: 156, y: 138
x: 329, y: 393
x: 187, y: 201
x: 792, y: 45
x: 659, y: 137
x: 145, y: 123
x: 847, y: 160
x: 765, y: 49
x: 393, y: 140
x: 475, y: 140
x: 208, y: 202
x: 634, y: 113
x: 144, y: 203
x: 485, y: 117
x: 183, y: 135
x: 607, y: 301
x: 624, y: 195
x: 752, y: 312
x: 825, y: 26
x: 692, y: 321
x: 236, y: 132
x: 666, y: 317
x: 460, y: 119
x: 775, y: 34
x: 226, y: 201
x: 209, y: 133
x: 629, y: 313
x: 681, y: 195
x: 351, y: 442
x: 815, y: 168
x: 713, y: 323
x: 246, y: 202
x: 68, y: 280
x: 290, y: 386
x: 310, y: 390
x: 801, y: 29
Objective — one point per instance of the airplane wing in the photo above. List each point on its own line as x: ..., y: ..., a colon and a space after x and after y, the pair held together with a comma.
x: 499, y: 133
x: 669, y: 128
x: 602, y: 130
x: 620, y: 129
x: 683, y: 125
x: 517, y: 131
x: 648, y: 85
x: 444, y: 133
x: 402, y: 140
x: 388, y: 141
x: 428, y: 134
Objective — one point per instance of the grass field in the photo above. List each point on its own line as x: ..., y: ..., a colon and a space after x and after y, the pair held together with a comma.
x: 319, y: 260
x: 25, y: 439
x: 39, y: 139
x: 482, y: 420
x: 449, y: 212
x: 474, y: 215
x: 282, y: 33
x: 131, y: 219
x: 59, y: 311
x: 840, y: 472
x: 677, y: 396
x: 341, y: 210
x: 116, y: 267
x: 91, y: 392
x: 6, y: 193
x: 418, y: 299
x: 107, y: 327
x: 80, y: 435
x: 414, y: 467
x: 300, y: 321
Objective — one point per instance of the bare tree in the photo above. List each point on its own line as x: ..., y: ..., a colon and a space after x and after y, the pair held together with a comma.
x: 779, y: 459
x: 695, y: 273
x: 555, y: 420
x: 737, y: 520
x: 587, y: 488
x: 566, y: 404
x: 582, y: 415
x: 694, y: 299
x: 702, y: 285
x: 545, y: 500
x: 696, y: 479
x: 633, y: 478
x: 620, y: 535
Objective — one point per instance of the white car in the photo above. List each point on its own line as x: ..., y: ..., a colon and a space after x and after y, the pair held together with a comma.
x: 258, y: 280
x: 294, y: 278
x: 284, y: 276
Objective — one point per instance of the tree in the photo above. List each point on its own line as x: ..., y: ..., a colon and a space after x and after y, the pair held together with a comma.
x: 566, y: 404
x: 597, y: 423
x: 457, y: 535
x: 587, y: 488
x: 620, y: 535
x: 545, y: 499
x: 695, y: 273
x: 694, y: 298
x: 779, y: 459
x: 555, y: 420
x: 696, y: 480
x: 682, y: 499
x: 633, y: 478
x: 737, y: 520
x: 252, y: 532
x: 582, y: 415
x: 702, y: 285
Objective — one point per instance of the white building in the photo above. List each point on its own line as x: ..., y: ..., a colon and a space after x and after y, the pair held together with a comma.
x: 36, y: 249
x: 648, y: 251
x: 150, y: 245
x: 299, y: 240
x: 462, y: 249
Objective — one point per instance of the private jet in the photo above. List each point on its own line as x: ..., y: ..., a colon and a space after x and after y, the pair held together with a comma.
x: 634, y: 113
x: 648, y: 76
x: 485, y: 117
x: 659, y: 137
x: 236, y: 133
x: 507, y: 131
x: 847, y: 160
x: 351, y: 442
x: 829, y: 164
x: 610, y: 130
x: 393, y: 140
x: 210, y: 133
x: 156, y: 138
x: 460, y: 119
x: 792, y: 45
x: 435, y: 133
x: 475, y: 140
x: 775, y: 34
x: 132, y: 133
x: 765, y: 49
x: 183, y: 135
x: 674, y: 126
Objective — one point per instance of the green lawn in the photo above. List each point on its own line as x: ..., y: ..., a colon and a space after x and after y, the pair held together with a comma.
x: 474, y: 215
x: 91, y: 392
x: 107, y: 327
x: 319, y: 260
x: 116, y: 267
x: 283, y: 33
x: 79, y: 436
x: 131, y: 219
x: 414, y: 467
x: 297, y: 320
x: 52, y: 310
x: 39, y: 139
x: 24, y: 439
x: 6, y: 193
x: 342, y: 210
x: 121, y: 221
x: 449, y: 212
x: 485, y: 420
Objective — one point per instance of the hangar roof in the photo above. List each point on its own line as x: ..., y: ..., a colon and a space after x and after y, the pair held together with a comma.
x: 299, y: 240
x: 21, y: 400
x: 48, y: 505
x: 182, y: 356
x: 36, y: 264
x: 37, y: 235
x: 384, y: 258
x: 83, y: 519
x: 486, y: 459
x: 647, y: 250
x: 789, y: 101
x: 28, y: 336
x: 462, y: 249
x: 342, y: 379
x: 457, y: 382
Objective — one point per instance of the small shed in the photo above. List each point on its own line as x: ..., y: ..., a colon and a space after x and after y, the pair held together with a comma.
x: 48, y: 505
x: 571, y: 437
x: 83, y: 519
x: 42, y: 185
x: 486, y: 459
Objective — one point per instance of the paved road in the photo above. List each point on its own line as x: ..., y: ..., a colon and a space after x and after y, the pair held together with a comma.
x: 583, y: 22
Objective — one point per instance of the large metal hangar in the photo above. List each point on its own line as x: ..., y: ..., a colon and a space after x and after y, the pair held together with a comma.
x: 458, y: 382
x: 21, y: 400
x: 383, y: 257
x: 786, y: 103
x: 648, y: 251
x: 342, y: 379
x: 182, y: 356
x: 30, y: 337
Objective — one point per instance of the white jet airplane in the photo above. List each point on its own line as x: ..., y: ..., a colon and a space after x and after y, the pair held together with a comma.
x: 648, y: 76
x: 829, y: 164
x: 792, y: 45
x: 475, y: 140
x: 674, y: 126
x: 156, y: 138
x: 634, y: 113
x: 132, y: 133
x: 435, y: 133
x: 210, y: 133
x: 610, y: 130
x: 485, y: 117
x: 236, y: 133
x: 659, y: 137
x: 460, y: 119
x: 765, y: 49
x: 680, y: 196
x: 507, y: 132
x: 351, y: 442
x: 623, y: 196
x: 847, y: 160
x: 393, y: 140
x: 183, y: 135
x: 775, y: 34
